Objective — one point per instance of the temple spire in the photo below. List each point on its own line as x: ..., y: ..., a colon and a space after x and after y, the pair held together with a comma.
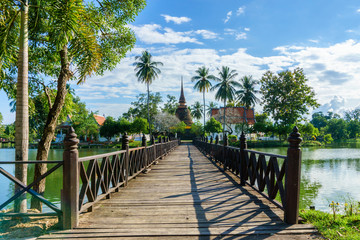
x: 182, y: 96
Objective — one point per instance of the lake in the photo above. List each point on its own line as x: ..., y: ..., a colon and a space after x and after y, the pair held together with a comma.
x: 328, y: 174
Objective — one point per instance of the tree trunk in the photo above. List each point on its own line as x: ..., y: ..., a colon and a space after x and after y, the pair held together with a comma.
x: 50, y: 126
x: 148, y: 108
x: 224, y: 128
x: 204, y: 108
x: 22, y: 110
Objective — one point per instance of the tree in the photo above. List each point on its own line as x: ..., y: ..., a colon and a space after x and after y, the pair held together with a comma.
x: 337, y: 128
x: 171, y: 105
x: 197, y: 129
x: 165, y: 122
x: 308, y: 131
x: 286, y: 96
x: 108, y: 130
x: 146, y: 71
x: 179, y: 128
x: 318, y: 120
x: 202, y: 83
x: 139, y: 125
x: 196, y: 110
x: 262, y: 123
x: 71, y: 40
x: 213, y: 126
x: 2, y: 129
x: 210, y: 107
x: 123, y: 126
x: 353, y: 128
x: 139, y: 109
x: 246, y: 94
x: 226, y: 88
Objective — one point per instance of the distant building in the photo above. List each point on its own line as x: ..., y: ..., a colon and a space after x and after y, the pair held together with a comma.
x: 182, y: 112
x: 100, y: 120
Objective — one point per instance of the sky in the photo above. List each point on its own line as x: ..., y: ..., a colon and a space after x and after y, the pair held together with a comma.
x: 250, y: 36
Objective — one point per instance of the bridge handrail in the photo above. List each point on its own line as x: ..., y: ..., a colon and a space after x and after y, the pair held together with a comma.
x: 263, y: 171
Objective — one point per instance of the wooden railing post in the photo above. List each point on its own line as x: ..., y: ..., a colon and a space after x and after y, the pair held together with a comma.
x: 211, y: 140
x: 154, y: 146
x: 292, y: 178
x: 70, y: 192
x: 243, y: 165
x: 143, y: 143
x: 161, y: 147
x: 225, y: 144
x: 217, y: 139
x: 125, y: 146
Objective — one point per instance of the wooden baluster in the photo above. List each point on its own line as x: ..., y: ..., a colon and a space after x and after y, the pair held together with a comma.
x: 125, y: 146
x: 217, y: 139
x: 292, y: 178
x: 211, y: 140
x: 154, y: 146
x: 243, y: 165
x: 70, y: 192
x: 143, y: 143
x: 225, y: 143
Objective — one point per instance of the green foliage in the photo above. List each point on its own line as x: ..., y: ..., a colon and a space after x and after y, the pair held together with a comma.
x: 109, y: 129
x: 139, y: 125
x: 123, y: 125
x: 337, y: 128
x: 146, y: 69
x: 196, y: 110
x: 2, y: 128
x: 319, y: 120
x: 165, y: 122
x: 286, y: 96
x: 232, y: 138
x: 213, y: 126
x: 328, y: 138
x: 171, y: 105
x: 139, y: 109
x: 209, y: 107
x: 197, y: 129
x: 263, y: 124
x: 180, y: 127
x: 308, y: 131
x: 246, y: 94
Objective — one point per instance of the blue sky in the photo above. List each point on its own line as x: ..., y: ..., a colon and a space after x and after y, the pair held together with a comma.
x: 323, y: 37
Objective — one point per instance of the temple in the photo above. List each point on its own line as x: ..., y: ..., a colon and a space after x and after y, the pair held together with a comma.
x: 182, y: 112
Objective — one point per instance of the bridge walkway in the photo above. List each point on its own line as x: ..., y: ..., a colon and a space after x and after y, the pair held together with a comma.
x: 185, y: 196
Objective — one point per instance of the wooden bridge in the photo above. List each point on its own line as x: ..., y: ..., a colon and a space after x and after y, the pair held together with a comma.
x: 192, y: 191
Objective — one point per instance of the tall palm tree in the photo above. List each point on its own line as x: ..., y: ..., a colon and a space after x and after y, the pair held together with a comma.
x: 202, y: 82
x: 211, y: 106
x: 146, y: 72
x: 225, y: 88
x: 196, y: 110
x: 246, y: 94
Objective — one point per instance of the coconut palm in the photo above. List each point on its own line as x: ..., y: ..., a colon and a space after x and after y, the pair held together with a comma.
x: 202, y: 82
x: 211, y: 106
x: 246, y: 94
x: 146, y: 72
x: 196, y: 110
x: 226, y: 87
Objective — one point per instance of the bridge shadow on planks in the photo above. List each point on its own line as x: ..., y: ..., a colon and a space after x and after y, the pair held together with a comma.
x: 185, y: 196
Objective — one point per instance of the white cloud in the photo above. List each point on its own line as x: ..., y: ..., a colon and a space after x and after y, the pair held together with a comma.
x: 247, y: 29
x: 206, y: 34
x: 176, y: 20
x: 228, y: 16
x: 313, y: 41
x: 154, y: 33
x: 358, y: 10
x: 233, y: 32
x: 240, y: 36
x: 335, y: 105
x: 241, y: 10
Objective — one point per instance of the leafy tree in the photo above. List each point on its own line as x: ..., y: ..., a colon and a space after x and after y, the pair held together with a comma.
x: 179, y: 128
x: 85, y: 125
x: 308, y: 131
x: 225, y: 88
x: 2, y: 129
x: 263, y: 124
x: 108, y: 130
x: 10, y: 132
x: 67, y: 40
x: 319, y: 120
x: 209, y: 107
x: 171, y: 105
x: 139, y: 109
x: 202, y: 83
x: 196, y: 110
x: 139, y: 125
x: 123, y: 126
x: 197, y: 129
x: 213, y: 126
x: 165, y: 122
x: 337, y: 128
x: 353, y: 128
x: 328, y: 138
x: 146, y: 71
x: 246, y: 94
x: 286, y: 96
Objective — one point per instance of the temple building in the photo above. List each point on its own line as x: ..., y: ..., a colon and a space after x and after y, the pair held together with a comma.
x: 182, y: 112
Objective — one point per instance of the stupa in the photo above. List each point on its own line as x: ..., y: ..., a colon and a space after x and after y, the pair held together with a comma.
x: 182, y: 112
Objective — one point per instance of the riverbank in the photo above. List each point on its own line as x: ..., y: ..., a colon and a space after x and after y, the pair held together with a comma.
x: 272, y: 144
x: 340, y: 227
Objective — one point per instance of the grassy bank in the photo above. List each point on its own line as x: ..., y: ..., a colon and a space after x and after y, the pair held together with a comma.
x: 270, y: 144
x: 340, y: 227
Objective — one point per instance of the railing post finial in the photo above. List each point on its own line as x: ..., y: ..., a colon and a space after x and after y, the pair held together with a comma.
x: 143, y: 140
x: 211, y: 139
x: 292, y: 178
x: 125, y: 140
x: 152, y: 140
x: 217, y: 139
x: 226, y: 140
x: 243, y: 165
x: 70, y: 191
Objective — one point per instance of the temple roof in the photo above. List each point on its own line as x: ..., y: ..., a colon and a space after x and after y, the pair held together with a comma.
x: 182, y: 112
x: 182, y: 96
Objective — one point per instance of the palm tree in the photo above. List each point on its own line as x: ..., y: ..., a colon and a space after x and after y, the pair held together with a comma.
x: 211, y: 106
x: 203, y: 84
x: 226, y: 87
x: 196, y: 110
x: 246, y: 94
x: 146, y: 72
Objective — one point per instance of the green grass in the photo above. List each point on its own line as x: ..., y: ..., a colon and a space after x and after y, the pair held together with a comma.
x: 342, y: 227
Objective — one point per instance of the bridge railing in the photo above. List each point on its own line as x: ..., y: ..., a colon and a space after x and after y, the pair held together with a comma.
x: 275, y: 174
x: 87, y: 180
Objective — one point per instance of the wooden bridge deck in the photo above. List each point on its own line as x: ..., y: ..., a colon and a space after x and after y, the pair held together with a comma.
x: 185, y: 196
